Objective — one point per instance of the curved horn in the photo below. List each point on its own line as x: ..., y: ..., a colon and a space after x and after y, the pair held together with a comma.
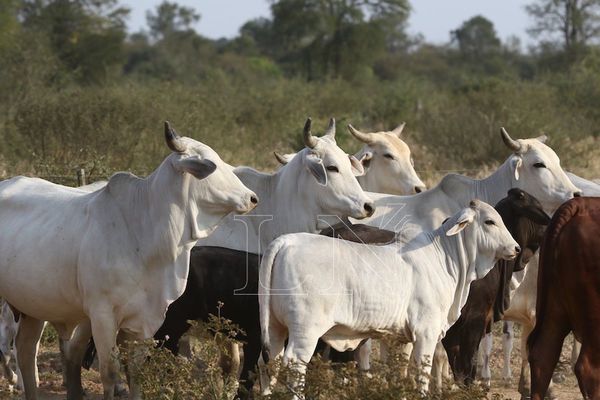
x: 399, y: 129
x: 309, y: 140
x: 510, y: 142
x: 331, y: 129
x: 363, y: 137
x: 173, y: 140
x: 280, y: 158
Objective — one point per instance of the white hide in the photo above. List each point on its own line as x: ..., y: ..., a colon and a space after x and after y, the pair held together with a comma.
x: 387, y: 162
x: 117, y: 256
x: 549, y: 184
x: 293, y: 199
x: 414, y: 290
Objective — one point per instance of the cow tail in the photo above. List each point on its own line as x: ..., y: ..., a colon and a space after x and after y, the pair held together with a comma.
x: 264, y: 296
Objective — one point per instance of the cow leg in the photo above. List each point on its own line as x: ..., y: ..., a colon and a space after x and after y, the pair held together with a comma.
x: 363, y: 355
x: 251, y: 355
x: 508, y: 336
x: 135, y: 358
x: 440, y: 359
x: 544, y: 353
x: 73, y: 352
x: 524, y: 379
x: 422, y: 355
x: 486, y: 351
x: 27, y: 342
x: 104, y: 330
x: 297, y: 355
x: 587, y: 370
x: 277, y: 336
x: 406, y: 349
x: 7, y: 335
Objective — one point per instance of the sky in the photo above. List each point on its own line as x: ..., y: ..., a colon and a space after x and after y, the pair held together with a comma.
x: 432, y: 18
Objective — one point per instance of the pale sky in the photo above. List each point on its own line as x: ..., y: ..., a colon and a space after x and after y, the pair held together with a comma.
x: 433, y: 18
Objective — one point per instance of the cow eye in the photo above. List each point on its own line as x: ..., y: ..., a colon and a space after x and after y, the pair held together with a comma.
x: 539, y: 165
x: 333, y: 168
x: 490, y: 222
x: 388, y: 155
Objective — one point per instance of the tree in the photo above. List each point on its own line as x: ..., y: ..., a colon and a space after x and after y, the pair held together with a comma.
x: 476, y: 38
x: 170, y: 18
x: 575, y: 22
x: 86, y: 35
x: 334, y: 38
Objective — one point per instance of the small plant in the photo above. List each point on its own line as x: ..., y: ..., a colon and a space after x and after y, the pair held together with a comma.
x: 161, y: 375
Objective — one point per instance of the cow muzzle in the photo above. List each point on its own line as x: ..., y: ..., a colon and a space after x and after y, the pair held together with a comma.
x: 248, y: 203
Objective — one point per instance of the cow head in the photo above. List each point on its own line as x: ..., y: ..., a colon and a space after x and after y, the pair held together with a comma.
x: 536, y: 167
x: 526, y: 219
x: 387, y: 162
x: 213, y: 185
x: 329, y: 175
x: 486, y: 236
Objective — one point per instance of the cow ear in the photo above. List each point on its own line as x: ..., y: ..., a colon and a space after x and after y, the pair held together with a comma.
x: 357, y: 168
x: 283, y: 159
x: 516, y: 163
x: 200, y: 168
x: 365, y: 160
x: 315, y: 165
x: 464, y: 219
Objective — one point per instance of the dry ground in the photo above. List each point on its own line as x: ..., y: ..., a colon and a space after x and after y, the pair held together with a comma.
x: 51, y: 380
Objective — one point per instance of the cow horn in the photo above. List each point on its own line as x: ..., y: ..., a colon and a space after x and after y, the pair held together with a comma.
x: 399, y: 129
x: 331, y: 129
x: 363, y: 137
x: 173, y: 140
x: 510, y: 142
x: 309, y: 140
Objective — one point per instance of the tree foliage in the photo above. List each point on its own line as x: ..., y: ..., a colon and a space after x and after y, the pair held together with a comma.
x: 568, y: 24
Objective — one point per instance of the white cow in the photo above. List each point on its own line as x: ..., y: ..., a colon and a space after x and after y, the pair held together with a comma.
x: 386, y: 159
x: 301, y: 196
x: 413, y: 289
x: 522, y: 311
x: 113, y: 259
x: 533, y: 166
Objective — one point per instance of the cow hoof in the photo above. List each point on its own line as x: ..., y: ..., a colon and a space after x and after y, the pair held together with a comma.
x: 525, y: 397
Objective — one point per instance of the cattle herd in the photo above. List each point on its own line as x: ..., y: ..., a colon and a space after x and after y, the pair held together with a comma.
x: 330, y: 250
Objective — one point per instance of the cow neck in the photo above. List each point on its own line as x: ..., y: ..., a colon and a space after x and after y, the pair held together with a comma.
x: 494, y: 188
x: 461, y: 261
x: 158, y: 212
x: 297, y: 210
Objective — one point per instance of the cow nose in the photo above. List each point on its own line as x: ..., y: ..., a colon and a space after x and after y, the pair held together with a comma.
x: 517, y: 249
x: 369, y: 208
x: 577, y: 194
x: 418, y: 189
x: 254, y: 199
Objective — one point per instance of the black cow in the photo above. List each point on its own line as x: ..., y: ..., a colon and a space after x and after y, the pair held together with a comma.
x: 489, y: 297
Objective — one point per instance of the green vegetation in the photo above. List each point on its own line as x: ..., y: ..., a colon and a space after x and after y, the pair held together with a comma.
x: 77, y: 91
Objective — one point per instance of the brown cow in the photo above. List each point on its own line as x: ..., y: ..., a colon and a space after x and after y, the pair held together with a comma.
x: 569, y: 297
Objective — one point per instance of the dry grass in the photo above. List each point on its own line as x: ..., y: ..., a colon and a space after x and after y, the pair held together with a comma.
x: 51, y: 379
